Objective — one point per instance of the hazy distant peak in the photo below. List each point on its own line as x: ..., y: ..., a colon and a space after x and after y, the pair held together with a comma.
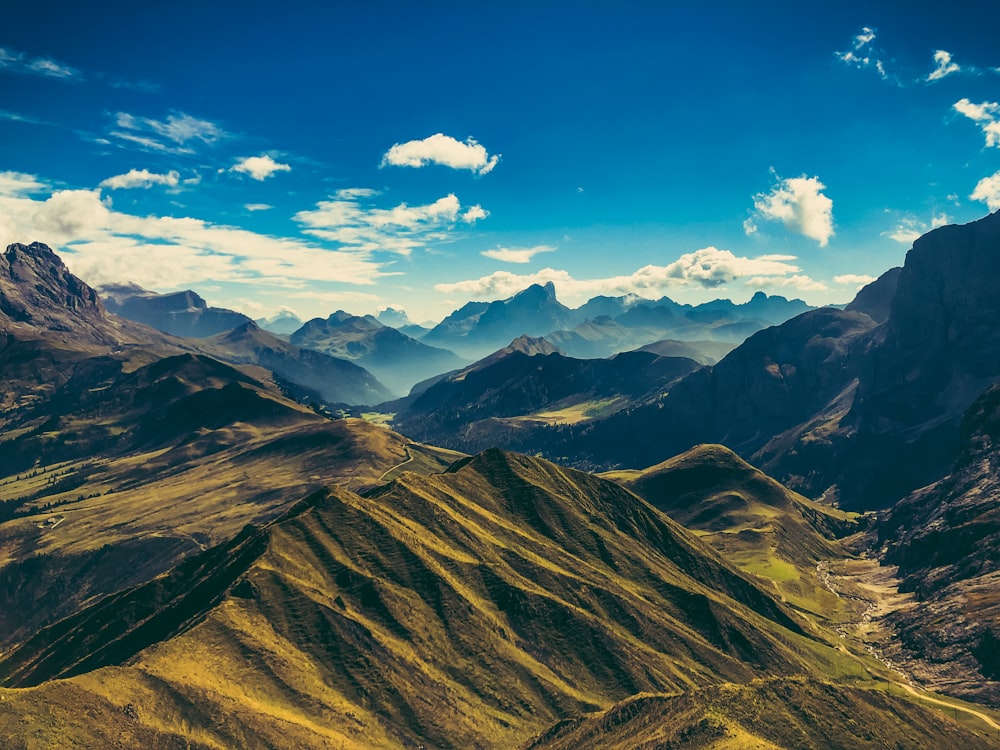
x: 393, y: 317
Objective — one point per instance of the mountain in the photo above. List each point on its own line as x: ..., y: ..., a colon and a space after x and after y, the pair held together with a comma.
x: 479, y: 328
x: 178, y: 313
x: 945, y: 538
x: 283, y: 323
x: 470, y: 608
x: 517, y: 395
x: 335, y: 380
x: 393, y: 318
x: 393, y: 357
x: 875, y: 299
x: 771, y: 714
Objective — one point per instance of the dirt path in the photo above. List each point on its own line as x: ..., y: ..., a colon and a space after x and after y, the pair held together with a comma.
x: 409, y: 457
x: 928, y: 699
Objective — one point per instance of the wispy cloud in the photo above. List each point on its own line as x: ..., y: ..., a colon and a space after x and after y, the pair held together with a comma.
x: 400, y: 229
x: 257, y: 206
x: 945, y: 66
x: 986, y: 115
x: 172, y: 135
x: 706, y: 268
x: 517, y: 254
x: 988, y: 191
x: 909, y: 228
x: 799, y: 204
x: 444, y: 150
x: 259, y: 167
x: 863, y: 54
x: 141, y: 178
x: 17, y: 184
x: 20, y: 63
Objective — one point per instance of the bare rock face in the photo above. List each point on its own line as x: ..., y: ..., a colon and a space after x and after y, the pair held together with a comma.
x: 945, y: 538
x: 875, y: 299
x: 37, y: 290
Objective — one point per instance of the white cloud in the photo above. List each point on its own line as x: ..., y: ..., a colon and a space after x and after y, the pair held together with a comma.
x: 749, y: 227
x: 910, y: 228
x: 707, y: 268
x: 141, y: 178
x: 988, y: 191
x: 257, y: 206
x: 18, y: 62
x: 474, y: 213
x: 853, y: 279
x: 259, y: 167
x: 517, y: 254
x: 172, y: 135
x: 986, y: 114
x: 863, y: 54
x: 14, y: 184
x: 103, y: 245
x: 799, y: 281
x: 399, y: 230
x: 800, y: 205
x: 945, y: 66
x: 444, y: 150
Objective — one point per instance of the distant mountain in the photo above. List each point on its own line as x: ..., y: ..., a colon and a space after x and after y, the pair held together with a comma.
x: 393, y: 318
x: 703, y: 352
x: 516, y: 394
x: 178, y: 313
x: 479, y: 328
x: 505, y: 577
x: 393, y: 357
x: 337, y: 381
x: 945, y: 538
x: 283, y: 323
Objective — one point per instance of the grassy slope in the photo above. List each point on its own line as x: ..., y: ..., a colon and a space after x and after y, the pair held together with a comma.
x: 467, y: 609
x: 752, y: 520
x: 773, y: 714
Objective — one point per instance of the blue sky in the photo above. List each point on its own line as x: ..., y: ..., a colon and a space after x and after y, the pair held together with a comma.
x: 316, y: 156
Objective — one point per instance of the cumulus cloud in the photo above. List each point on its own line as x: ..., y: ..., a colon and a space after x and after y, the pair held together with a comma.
x: 853, y: 279
x: 863, y: 54
x: 173, y: 135
x: 517, y: 254
x: 444, y: 150
x: 18, y: 62
x: 800, y: 205
x: 988, y: 191
x: 259, y: 167
x: 945, y: 66
x: 986, y: 115
x: 706, y: 268
x: 103, y: 245
x: 141, y: 178
x: 401, y: 229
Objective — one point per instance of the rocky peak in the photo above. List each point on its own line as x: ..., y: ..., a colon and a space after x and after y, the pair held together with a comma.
x: 37, y: 289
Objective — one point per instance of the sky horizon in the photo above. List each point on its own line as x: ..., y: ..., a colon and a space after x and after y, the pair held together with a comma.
x: 322, y: 156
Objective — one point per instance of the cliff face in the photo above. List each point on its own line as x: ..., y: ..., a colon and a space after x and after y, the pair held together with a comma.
x: 37, y: 290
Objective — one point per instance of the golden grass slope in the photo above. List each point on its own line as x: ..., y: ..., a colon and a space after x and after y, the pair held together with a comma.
x: 467, y: 609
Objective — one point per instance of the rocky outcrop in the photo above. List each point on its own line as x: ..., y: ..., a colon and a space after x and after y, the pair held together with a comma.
x: 178, y: 313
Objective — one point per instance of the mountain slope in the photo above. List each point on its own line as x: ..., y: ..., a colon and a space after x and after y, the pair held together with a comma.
x: 471, y: 608
x: 394, y: 358
x: 778, y: 714
x: 473, y: 408
x: 335, y: 380
x: 179, y: 313
x: 945, y: 538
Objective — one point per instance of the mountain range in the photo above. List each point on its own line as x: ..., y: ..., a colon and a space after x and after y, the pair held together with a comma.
x: 194, y: 552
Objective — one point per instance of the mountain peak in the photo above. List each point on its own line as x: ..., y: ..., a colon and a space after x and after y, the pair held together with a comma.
x: 36, y: 288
